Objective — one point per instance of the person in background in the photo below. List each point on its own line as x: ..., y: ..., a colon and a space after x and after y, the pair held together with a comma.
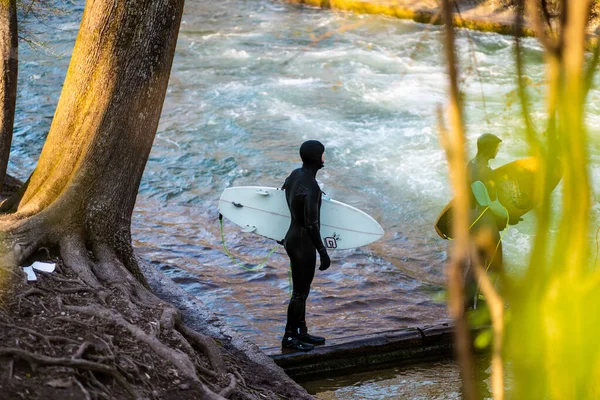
x: 483, y: 217
x: 303, y: 241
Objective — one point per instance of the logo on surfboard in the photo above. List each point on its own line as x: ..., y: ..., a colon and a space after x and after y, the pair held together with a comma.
x: 331, y: 241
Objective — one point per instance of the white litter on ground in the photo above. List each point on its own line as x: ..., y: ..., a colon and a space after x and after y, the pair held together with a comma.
x: 30, y: 274
x: 39, y: 266
x: 43, y: 266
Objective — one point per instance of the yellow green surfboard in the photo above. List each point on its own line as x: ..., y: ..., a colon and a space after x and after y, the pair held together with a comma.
x: 516, y: 183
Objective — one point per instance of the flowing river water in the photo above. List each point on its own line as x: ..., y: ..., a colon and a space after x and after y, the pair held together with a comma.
x: 251, y: 81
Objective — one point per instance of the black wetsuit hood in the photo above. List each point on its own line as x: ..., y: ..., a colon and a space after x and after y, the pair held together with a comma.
x: 311, y: 152
x: 486, y: 145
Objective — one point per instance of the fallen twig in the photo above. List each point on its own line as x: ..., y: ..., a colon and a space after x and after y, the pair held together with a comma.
x: 84, y: 346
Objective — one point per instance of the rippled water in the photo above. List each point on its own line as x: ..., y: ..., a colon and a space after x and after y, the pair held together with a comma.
x: 439, y: 380
x: 419, y: 382
x: 249, y: 84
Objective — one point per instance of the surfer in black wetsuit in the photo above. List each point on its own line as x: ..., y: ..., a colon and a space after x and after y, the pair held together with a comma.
x: 482, y: 217
x: 303, y: 241
x: 479, y: 168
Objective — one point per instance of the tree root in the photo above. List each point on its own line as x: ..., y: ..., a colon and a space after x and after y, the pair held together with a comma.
x: 228, y: 391
x: 171, y: 320
x: 31, y: 292
x: 96, y: 382
x: 37, y: 359
x: 75, y: 256
x: 179, y: 359
x: 124, y: 299
x: 73, y: 290
x: 74, y: 321
x: 206, y: 345
x: 86, y: 394
x: 111, y: 270
x: 45, y: 338
x: 124, y: 252
x: 58, y: 278
x: 176, y: 357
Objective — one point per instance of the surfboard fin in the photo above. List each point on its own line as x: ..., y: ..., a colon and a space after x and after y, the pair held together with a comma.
x: 262, y: 192
x: 483, y: 198
x: 249, y: 229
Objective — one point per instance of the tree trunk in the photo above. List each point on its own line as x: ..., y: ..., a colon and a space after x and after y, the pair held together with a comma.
x: 83, y: 190
x: 8, y: 80
x: 81, y: 195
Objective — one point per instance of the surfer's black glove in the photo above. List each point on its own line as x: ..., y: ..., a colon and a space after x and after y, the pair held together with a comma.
x: 325, y: 260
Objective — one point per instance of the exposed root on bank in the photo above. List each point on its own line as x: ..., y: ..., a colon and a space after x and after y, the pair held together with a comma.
x: 176, y: 357
x: 230, y: 388
x: 112, y: 338
x: 36, y: 360
x: 99, y: 354
x: 46, y: 338
x: 74, y: 255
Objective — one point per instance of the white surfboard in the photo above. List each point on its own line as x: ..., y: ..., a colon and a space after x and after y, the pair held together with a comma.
x: 264, y: 210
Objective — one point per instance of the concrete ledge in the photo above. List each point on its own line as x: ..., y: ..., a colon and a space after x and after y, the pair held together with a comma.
x: 398, y: 347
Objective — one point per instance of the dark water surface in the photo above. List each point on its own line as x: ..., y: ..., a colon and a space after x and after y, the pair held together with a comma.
x: 438, y: 380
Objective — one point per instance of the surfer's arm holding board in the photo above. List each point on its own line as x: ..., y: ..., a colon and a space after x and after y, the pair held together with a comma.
x: 312, y: 205
x: 490, y: 185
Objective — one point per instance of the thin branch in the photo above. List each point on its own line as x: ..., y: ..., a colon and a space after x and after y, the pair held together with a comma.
x: 455, y: 152
x: 551, y: 45
x: 590, y: 71
x: 496, y: 306
x: 546, y: 14
x: 476, y: 65
x: 522, y: 90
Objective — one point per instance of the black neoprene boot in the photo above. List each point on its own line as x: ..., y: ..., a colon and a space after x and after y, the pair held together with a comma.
x: 308, y: 338
x: 290, y: 342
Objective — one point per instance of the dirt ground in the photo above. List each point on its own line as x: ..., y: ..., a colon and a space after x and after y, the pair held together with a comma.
x: 50, y: 352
